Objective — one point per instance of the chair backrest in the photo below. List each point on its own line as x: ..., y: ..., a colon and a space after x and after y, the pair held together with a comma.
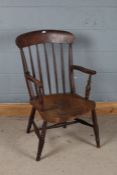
x: 47, y: 56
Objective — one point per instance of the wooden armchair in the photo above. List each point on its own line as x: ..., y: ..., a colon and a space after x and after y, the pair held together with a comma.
x: 60, y: 105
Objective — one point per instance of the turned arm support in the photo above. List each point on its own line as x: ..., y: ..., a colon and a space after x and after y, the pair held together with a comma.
x: 38, y: 88
x: 88, y: 87
x: 34, y: 80
x: 90, y: 73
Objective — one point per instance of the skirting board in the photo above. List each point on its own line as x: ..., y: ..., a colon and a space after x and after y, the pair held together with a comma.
x: 23, y: 109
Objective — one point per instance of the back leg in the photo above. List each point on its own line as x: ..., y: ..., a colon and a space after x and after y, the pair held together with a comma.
x: 96, y: 128
x: 31, y: 118
x: 41, y: 141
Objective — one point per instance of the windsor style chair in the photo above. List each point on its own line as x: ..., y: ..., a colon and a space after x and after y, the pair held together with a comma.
x: 49, y: 78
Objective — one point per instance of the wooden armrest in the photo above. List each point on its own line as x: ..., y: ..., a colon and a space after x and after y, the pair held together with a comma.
x: 83, y: 69
x: 31, y: 78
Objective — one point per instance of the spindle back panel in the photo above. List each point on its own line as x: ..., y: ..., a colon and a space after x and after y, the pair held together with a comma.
x: 47, y: 56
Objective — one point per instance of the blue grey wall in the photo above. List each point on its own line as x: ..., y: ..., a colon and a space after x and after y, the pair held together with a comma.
x: 94, y: 22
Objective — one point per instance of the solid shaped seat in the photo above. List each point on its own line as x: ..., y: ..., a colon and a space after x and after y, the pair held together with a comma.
x: 63, y: 107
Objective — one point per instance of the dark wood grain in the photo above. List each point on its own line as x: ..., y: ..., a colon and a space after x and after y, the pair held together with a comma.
x: 88, y: 88
x: 39, y: 64
x: 47, y: 68
x: 83, y: 69
x: 60, y: 107
x: 55, y: 68
x: 44, y: 36
x: 62, y: 67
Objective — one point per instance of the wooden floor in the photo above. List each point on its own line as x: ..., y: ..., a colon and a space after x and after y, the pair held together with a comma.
x: 23, y: 109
